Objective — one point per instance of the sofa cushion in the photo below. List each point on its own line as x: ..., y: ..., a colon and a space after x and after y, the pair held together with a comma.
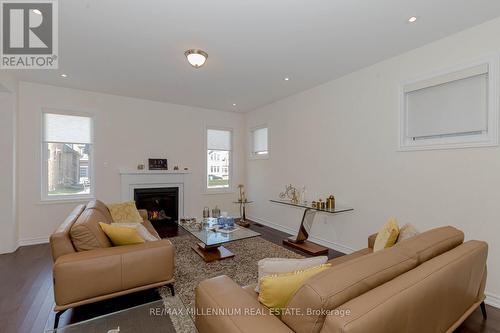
x: 102, y: 208
x: 431, y: 243
x: 270, y: 266
x: 121, y: 235
x: 337, y: 285
x: 276, y: 290
x: 125, y: 212
x: 86, y: 234
x: 387, y: 235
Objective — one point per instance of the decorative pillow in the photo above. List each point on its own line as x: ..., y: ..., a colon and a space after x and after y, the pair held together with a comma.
x: 276, y: 290
x: 121, y: 235
x: 407, y: 231
x: 143, y: 232
x: 270, y: 266
x: 387, y: 236
x: 125, y: 212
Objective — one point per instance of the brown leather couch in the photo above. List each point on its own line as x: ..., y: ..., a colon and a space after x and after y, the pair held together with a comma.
x: 87, y: 268
x: 428, y: 283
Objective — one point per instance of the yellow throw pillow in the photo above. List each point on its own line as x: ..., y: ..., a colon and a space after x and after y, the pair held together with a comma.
x: 276, y: 290
x: 121, y: 235
x: 125, y: 212
x: 387, y: 236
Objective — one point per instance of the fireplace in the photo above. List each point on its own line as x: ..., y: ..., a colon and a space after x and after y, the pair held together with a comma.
x: 162, y: 204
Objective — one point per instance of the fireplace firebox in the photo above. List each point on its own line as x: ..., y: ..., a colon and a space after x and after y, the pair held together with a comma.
x: 162, y: 204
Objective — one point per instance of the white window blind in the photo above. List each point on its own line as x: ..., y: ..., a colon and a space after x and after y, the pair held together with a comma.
x: 218, y: 139
x: 67, y: 128
x: 437, y: 108
x: 260, y: 140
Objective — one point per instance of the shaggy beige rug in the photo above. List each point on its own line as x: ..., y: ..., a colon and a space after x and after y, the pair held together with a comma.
x: 190, y: 268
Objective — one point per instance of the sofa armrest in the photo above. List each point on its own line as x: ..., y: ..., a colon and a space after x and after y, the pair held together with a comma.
x: 83, y: 275
x: 223, y: 306
x: 144, y: 214
x: 371, y: 240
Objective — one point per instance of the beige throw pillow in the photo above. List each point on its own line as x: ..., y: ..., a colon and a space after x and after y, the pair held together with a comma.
x: 271, y: 266
x: 125, y: 212
x: 143, y: 232
x: 407, y: 231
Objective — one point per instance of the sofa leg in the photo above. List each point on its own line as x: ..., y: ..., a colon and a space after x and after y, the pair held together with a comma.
x: 171, y: 287
x: 58, y: 316
x: 483, y: 310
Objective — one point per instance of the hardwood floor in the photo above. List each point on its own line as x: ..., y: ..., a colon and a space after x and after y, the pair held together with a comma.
x: 26, y: 295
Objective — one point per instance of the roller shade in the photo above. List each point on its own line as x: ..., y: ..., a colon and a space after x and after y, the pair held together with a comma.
x: 440, y: 108
x: 218, y: 139
x: 260, y: 140
x: 67, y: 129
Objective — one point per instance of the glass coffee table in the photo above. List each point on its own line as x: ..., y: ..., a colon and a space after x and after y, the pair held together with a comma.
x: 169, y: 317
x: 210, y: 247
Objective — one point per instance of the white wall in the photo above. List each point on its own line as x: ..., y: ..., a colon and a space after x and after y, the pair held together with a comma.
x: 127, y: 132
x: 8, y: 225
x: 341, y: 138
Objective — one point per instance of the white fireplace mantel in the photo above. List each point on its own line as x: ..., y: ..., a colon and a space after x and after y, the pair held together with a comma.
x: 138, y: 179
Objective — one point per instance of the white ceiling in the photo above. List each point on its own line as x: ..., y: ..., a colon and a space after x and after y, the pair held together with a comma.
x: 136, y: 48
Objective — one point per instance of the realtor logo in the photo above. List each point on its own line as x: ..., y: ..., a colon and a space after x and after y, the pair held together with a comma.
x: 29, y: 35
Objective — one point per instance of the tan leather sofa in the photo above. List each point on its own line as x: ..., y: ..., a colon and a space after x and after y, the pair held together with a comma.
x: 428, y: 283
x: 100, y: 271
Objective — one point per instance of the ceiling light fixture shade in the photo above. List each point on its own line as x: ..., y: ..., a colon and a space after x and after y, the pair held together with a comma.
x: 412, y: 19
x: 196, y: 58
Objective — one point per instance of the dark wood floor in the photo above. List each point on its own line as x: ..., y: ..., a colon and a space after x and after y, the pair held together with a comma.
x: 26, y: 295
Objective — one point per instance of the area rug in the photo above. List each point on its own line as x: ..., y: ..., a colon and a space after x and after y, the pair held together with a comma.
x: 191, y: 269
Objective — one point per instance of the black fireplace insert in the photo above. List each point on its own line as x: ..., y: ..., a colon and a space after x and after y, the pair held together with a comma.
x: 162, y: 204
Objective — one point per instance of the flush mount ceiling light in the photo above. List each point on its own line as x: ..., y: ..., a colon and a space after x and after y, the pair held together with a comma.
x: 412, y: 19
x: 196, y: 58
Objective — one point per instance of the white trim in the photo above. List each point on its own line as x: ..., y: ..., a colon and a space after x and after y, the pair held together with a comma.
x: 332, y: 245
x: 32, y: 241
x: 488, y: 139
x: 45, y: 198
x: 230, y: 188
x: 130, y: 182
x: 493, y: 300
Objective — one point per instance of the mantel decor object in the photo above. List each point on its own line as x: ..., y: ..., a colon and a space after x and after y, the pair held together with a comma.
x: 158, y: 164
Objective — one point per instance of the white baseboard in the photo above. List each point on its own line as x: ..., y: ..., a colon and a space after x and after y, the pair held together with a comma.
x: 33, y: 241
x: 332, y: 245
x: 492, y: 300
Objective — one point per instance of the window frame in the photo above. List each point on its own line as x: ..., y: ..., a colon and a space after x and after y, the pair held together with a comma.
x: 45, y: 197
x: 487, y: 139
x: 230, y: 188
x: 252, y: 154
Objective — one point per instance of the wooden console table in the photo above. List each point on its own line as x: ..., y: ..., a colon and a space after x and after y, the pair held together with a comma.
x: 300, y: 241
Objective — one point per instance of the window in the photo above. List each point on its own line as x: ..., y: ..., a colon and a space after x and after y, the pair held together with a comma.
x: 259, y: 143
x: 67, y: 157
x: 456, y: 109
x: 219, y: 146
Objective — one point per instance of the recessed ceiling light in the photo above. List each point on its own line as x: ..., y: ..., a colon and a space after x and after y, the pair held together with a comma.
x: 286, y: 79
x: 64, y: 75
x: 412, y: 19
x: 196, y: 58
x: 36, y: 11
x: 234, y: 104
